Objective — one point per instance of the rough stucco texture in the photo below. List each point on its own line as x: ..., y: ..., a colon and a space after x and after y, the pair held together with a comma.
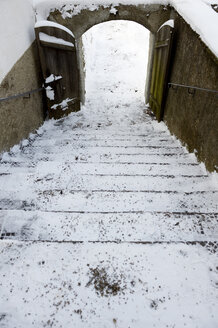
x: 193, y: 118
x: 19, y: 117
x: 150, y: 16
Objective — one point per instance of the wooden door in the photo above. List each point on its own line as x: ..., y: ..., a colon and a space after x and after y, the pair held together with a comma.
x: 57, y: 50
x: 160, y: 70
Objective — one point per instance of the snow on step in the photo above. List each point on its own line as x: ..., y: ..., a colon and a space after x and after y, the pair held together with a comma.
x: 152, y: 156
x: 75, y: 150
x: 98, y: 201
x: 120, y: 227
x: 74, y: 181
x: 104, y: 142
x: 119, y: 169
x: 89, y: 284
x: 46, y: 168
x: 128, y: 183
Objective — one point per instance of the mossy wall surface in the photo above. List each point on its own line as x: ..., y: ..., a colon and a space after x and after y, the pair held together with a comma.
x: 19, y: 117
x: 193, y: 118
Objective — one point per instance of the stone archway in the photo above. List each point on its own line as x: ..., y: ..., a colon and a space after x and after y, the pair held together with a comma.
x: 79, y: 21
x: 150, y: 16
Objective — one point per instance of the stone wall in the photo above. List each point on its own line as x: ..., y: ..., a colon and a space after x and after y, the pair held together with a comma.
x: 193, y: 118
x: 19, y: 117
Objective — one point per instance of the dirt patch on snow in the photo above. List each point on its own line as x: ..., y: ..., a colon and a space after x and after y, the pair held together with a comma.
x: 106, y: 284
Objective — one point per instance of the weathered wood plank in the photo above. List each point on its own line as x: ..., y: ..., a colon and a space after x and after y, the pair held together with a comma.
x: 162, y: 52
x: 58, y: 60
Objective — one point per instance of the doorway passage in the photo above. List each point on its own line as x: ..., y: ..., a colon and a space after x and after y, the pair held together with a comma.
x: 116, y: 58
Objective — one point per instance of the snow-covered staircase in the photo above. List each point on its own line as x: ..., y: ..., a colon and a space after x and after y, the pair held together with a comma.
x: 107, y: 221
x: 97, y: 222
x: 106, y: 187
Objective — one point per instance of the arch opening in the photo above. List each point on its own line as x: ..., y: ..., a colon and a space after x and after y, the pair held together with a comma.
x: 115, y: 59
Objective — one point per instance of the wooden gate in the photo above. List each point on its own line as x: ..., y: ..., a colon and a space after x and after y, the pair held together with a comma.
x: 57, y: 51
x: 161, y: 63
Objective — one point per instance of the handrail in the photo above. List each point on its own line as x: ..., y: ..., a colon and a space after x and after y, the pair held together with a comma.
x: 191, y: 87
x: 19, y: 95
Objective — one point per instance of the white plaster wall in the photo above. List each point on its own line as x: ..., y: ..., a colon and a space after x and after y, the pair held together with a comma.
x: 16, y: 32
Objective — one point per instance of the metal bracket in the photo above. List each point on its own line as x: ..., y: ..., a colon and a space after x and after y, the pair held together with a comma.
x: 191, y: 91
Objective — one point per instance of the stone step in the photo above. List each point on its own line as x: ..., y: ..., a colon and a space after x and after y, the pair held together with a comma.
x: 131, y: 227
x: 153, y: 169
x: 108, y: 201
x: 72, y: 180
x: 76, y: 150
x: 120, y: 168
x: 106, y: 141
x: 155, y: 159
x: 91, y: 283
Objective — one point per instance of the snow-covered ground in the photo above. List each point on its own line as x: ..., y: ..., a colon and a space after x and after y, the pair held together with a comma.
x: 105, y: 219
